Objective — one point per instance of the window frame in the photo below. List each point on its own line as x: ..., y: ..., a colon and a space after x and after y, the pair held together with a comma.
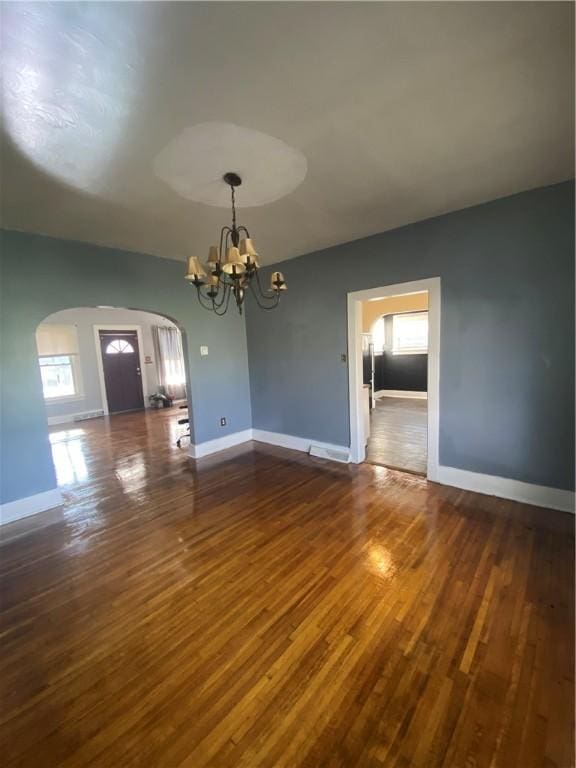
x: 76, y: 379
x: 414, y: 350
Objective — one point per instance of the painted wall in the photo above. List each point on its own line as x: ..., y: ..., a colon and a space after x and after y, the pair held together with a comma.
x: 507, y: 335
x: 372, y: 310
x: 90, y: 399
x: 42, y: 275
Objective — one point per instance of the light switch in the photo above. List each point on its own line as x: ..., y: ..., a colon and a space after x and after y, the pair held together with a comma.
x: 203, y: 351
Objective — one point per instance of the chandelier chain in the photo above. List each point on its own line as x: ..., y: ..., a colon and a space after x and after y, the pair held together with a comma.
x: 233, y: 208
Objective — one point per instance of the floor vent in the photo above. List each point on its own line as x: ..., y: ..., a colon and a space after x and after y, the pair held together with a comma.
x: 329, y: 453
x: 88, y: 415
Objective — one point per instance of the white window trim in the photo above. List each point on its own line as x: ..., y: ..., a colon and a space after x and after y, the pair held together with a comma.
x: 76, y: 376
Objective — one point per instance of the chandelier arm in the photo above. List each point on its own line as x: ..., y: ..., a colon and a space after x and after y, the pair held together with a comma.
x: 221, y: 284
x: 202, y: 299
x: 214, y: 303
x: 257, y: 298
x: 228, y: 291
x: 224, y: 232
x: 215, y: 306
x: 262, y: 293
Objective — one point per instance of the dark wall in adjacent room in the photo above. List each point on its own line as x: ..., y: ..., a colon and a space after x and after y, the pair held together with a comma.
x: 405, y: 372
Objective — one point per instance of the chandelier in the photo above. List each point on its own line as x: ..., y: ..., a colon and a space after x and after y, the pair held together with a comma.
x: 235, y: 274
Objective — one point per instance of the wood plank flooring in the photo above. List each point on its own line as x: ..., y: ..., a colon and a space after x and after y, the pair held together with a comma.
x: 398, y: 434
x: 262, y: 608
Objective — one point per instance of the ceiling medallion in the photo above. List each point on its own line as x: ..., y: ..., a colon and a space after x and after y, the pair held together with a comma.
x: 237, y: 273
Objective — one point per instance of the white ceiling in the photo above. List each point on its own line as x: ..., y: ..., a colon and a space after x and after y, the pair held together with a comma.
x: 401, y: 110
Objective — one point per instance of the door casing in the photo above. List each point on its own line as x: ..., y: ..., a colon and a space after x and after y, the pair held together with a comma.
x: 100, y: 362
x: 355, y: 376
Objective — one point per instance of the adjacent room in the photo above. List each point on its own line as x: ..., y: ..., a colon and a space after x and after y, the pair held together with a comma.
x: 107, y: 362
x: 395, y: 377
x: 287, y: 384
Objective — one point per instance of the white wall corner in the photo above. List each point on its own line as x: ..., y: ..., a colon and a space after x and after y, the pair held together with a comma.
x: 199, y: 450
x: 505, y: 488
x: 31, y: 505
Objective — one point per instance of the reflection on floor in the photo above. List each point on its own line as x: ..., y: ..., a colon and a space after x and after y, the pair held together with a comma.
x: 122, y: 443
x: 260, y: 607
x: 398, y: 429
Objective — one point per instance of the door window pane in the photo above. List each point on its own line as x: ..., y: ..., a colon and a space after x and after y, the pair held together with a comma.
x: 119, y: 346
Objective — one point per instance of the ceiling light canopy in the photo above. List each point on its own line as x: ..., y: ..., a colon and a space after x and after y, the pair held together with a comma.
x: 232, y: 268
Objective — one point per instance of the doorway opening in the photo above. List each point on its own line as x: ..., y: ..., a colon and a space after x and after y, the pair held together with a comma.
x: 394, y: 348
x: 106, y: 370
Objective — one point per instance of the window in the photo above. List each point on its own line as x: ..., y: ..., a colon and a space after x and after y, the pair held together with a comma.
x: 410, y: 334
x: 58, y: 358
x: 379, y: 335
x: 58, y: 376
x: 119, y: 346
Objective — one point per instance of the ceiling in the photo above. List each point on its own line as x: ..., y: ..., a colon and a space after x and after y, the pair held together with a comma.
x: 401, y: 111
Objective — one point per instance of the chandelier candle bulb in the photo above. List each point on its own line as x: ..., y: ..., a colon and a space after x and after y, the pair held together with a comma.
x: 247, y: 247
x: 234, y: 263
x: 213, y: 258
x: 213, y: 284
x: 248, y: 253
x: 277, y: 282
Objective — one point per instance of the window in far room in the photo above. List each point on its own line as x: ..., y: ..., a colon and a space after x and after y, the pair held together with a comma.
x: 410, y: 334
x: 57, y: 376
x: 58, y: 359
x: 379, y: 336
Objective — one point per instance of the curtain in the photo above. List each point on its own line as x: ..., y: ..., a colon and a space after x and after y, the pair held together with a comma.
x: 170, y: 361
x: 54, y: 340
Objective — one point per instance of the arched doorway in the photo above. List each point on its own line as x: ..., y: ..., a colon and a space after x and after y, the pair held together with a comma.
x: 103, y: 364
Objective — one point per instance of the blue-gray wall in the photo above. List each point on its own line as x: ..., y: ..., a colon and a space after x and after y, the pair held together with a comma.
x: 42, y: 275
x: 507, y: 334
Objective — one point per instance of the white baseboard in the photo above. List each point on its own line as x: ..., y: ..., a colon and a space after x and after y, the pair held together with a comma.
x: 325, y: 450
x: 70, y: 418
x: 54, y: 420
x: 219, y: 444
x: 401, y: 393
x: 31, y: 505
x: 516, y: 490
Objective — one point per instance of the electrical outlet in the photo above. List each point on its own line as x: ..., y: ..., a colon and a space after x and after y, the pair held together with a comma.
x: 223, y: 421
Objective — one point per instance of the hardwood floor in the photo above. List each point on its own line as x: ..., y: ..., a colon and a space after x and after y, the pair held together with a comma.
x: 262, y: 608
x: 398, y: 434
